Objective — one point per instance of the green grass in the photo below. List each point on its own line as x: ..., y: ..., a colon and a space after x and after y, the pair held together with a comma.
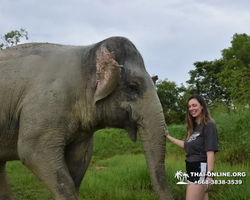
x: 125, y: 177
x: 120, y: 177
x: 118, y: 169
x: 231, y: 192
x: 110, y: 142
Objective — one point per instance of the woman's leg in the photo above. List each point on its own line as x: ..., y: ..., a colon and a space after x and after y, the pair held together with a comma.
x: 206, y: 196
x: 195, y: 192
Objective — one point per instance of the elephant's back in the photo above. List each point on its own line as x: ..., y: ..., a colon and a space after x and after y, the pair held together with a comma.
x: 29, y: 49
x: 28, y: 60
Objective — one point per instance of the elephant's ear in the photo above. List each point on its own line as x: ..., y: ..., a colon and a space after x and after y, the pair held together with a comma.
x: 107, y: 73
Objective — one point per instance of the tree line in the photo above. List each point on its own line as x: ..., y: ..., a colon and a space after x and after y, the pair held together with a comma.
x: 224, y: 81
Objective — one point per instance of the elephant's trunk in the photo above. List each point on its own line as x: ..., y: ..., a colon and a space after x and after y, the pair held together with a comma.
x: 154, y: 145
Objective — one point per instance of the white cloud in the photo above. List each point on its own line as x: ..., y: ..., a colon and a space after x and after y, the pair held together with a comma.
x: 171, y: 35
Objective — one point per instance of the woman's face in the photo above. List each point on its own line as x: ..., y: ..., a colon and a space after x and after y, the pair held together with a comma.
x: 195, y: 109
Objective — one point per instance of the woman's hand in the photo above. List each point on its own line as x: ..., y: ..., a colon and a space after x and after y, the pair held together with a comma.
x: 166, y: 132
x: 209, y: 186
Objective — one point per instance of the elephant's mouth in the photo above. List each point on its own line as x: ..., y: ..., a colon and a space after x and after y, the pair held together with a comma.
x: 131, y: 128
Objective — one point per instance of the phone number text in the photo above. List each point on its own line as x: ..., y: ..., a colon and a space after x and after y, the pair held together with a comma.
x: 220, y: 182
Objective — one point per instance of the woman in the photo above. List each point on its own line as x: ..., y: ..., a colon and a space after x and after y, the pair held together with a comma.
x: 200, y: 144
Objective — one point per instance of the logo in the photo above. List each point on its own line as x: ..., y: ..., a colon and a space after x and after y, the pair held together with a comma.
x: 182, y: 177
x: 193, y: 136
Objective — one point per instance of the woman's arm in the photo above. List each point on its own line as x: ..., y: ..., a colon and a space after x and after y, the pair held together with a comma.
x: 210, y: 161
x: 180, y: 143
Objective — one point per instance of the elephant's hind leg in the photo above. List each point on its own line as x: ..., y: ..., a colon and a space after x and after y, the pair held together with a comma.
x: 5, y: 190
x: 78, y: 156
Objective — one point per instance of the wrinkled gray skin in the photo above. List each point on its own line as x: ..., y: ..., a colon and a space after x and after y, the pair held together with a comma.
x: 54, y: 97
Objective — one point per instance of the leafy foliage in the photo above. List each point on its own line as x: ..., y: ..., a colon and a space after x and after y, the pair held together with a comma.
x: 235, y: 75
x: 13, y: 37
x: 173, y: 100
x: 204, y: 80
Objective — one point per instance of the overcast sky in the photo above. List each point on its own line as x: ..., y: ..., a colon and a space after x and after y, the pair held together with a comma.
x: 170, y: 34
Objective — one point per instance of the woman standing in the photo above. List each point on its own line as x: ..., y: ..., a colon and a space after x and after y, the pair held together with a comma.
x: 200, y: 144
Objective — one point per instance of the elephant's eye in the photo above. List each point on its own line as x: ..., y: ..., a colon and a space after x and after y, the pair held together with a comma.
x: 133, y: 87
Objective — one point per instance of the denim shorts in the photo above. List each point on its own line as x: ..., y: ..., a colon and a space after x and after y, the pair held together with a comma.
x: 196, y: 171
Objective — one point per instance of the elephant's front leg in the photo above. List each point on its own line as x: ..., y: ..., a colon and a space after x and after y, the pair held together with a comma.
x: 45, y: 157
x: 78, y: 156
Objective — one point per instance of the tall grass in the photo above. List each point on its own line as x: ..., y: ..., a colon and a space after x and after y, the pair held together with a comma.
x: 234, y: 134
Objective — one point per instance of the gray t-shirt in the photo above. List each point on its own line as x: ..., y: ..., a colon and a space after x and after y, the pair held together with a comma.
x: 202, y: 140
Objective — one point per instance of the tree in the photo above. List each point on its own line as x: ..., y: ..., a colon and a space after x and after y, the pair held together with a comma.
x: 235, y: 75
x: 204, y: 80
x: 173, y: 100
x: 13, y: 37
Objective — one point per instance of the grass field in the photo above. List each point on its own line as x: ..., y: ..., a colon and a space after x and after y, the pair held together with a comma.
x: 125, y: 177
x: 118, y: 170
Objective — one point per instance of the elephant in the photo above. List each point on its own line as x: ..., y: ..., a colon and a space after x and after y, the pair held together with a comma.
x: 54, y: 97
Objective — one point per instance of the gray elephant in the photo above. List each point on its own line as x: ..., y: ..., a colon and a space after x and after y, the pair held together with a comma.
x: 54, y: 97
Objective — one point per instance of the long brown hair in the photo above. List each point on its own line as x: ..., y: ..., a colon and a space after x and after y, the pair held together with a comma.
x: 190, y: 120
